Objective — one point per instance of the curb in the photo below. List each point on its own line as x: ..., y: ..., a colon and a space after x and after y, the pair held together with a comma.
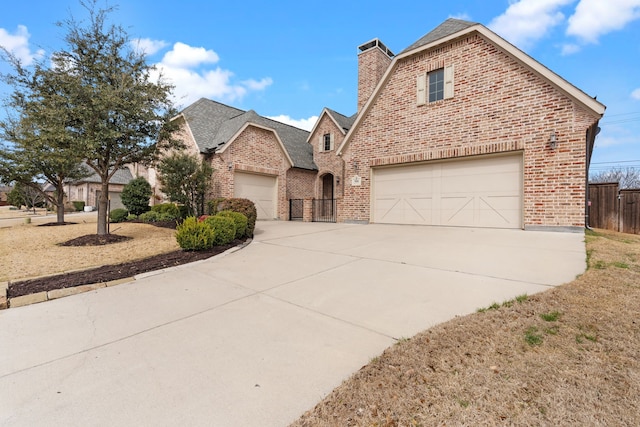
x: 53, y: 294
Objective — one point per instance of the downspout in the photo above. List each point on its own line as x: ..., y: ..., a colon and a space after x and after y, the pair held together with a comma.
x: 592, y: 131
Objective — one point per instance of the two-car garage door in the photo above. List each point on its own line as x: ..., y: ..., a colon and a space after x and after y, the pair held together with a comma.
x: 262, y: 190
x: 481, y: 192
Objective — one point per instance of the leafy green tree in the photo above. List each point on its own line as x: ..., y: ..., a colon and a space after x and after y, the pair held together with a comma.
x: 16, y: 198
x: 39, y: 146
x: 135, y: 195
x: 121, y: 114
x: 186, y: 180
x: 113, y: 111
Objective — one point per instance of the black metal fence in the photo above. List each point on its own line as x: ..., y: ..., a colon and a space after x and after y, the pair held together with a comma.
x: 324, y: 210
x: 296, y: 209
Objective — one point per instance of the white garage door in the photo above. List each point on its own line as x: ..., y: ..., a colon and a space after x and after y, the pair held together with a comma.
x: 481, y: 192
x: 260, y: 189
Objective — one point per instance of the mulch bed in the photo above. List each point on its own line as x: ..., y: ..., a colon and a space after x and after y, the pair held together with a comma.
x: 108, y: 273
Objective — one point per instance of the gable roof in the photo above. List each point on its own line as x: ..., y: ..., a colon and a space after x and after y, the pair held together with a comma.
x: 454, y: 28
x: 122, y: 176
x: 343, y: 122
x: 448, y: 27
x: 213, y: 124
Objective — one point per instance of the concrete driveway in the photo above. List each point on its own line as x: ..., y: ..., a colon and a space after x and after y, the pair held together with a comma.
x: 256, y: 337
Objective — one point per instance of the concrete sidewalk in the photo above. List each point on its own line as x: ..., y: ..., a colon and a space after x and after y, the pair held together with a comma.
x: 257, y: 337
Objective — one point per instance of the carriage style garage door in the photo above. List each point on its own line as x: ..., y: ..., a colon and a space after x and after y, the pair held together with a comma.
x: 480, y: 192
x: 260, y: 189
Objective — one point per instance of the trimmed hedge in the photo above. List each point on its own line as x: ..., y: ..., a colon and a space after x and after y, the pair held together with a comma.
x: 239, y: 220
x: 214, y: 204
x: 245, y: 207
x: 78, y: 205
x: 224, y: 229
x: 118, y: 215
x: 193, y: 235
x: 167, y: 209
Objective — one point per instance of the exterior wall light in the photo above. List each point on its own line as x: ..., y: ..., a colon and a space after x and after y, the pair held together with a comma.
x: 229, y: 166
x: 553, y: 141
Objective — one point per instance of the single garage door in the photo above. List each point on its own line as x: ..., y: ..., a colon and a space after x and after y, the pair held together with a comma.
x: 115, y: 201
x: 480, y: 192
x: 260, y: 189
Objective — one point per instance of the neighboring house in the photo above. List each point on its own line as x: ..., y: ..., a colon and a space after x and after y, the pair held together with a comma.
x: 4, y: 192
x: 464, y: 129
x: 88, y: 189
x: 253, y: 157
x: 459, y: 129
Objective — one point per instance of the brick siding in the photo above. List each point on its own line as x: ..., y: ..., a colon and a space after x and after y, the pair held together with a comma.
x: 499, y: 106
x: 327, y: 161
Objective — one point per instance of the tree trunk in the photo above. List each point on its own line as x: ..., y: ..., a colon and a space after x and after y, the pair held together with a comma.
x: 60, y: 205
x: 103, y: 215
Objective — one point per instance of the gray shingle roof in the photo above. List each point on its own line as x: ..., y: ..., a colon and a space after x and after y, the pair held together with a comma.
x: 343, y: 121
x: 122, y: 176
x: 448, y: 27
x: 213, y: 124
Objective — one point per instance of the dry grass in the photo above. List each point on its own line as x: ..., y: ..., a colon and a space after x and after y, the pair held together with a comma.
x: 29, y: 251
x: 569, y: 356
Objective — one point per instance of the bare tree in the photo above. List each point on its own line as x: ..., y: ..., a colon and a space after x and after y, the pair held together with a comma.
x: 625, y: 177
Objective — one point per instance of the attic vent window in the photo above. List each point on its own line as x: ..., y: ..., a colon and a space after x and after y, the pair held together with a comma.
x: 435, y: 85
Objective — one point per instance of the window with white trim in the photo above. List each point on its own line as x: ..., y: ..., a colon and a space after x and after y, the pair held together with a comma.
x: 435, y: 85
x: 326, y: 142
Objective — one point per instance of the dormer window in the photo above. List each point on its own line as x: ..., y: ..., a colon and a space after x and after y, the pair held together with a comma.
x: 435, y: 85
x: 326, y: 142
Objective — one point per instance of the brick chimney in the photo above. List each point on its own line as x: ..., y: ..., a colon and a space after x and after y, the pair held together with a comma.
x: 373, y: 60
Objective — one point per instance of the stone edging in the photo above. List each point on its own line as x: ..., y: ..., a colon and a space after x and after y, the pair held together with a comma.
x: 43, y: 296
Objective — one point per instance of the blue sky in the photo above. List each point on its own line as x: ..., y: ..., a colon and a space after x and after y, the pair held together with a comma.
x: 291, y: 59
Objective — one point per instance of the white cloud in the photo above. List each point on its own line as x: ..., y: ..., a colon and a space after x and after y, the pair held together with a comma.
x: 258, y: 84
x: 527, y: 21
x: 306, y: 124
x: 148, y: 46
x: 594, y: 18
x: 18, y: 45
x: 636, y: 94
x: 462, y: 16
x: 183, y: 55
x: 570, y: 48
x: 186, y: 68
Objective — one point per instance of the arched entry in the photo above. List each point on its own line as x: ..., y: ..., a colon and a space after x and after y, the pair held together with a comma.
x: 324, y: 209
x: 327, y: 187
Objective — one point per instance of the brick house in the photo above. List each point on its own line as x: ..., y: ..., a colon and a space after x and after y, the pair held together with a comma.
x: 459, y: 129
x: 88, y: 189
x: 464, y: 129
x: 253, y: 157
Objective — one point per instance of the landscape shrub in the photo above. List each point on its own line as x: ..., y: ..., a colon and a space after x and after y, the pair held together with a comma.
x: 135, y: 195
x: 184, y: 211
x: 239, y: 220
x: 150, y: 216
x: 170, y: 210
x: 223, y: 227
x: 245, y: 207
x: 132, y: 217
x: 214, y: 204
x: 118, y: 215
x: 193, y: 235
x: 78, y: 205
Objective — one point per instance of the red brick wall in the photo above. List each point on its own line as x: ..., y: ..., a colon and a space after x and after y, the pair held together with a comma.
x: 300, y: 183
x: 255, y: 150
x: 499, y: 105
x: 327, y: 161
x: 372, y: 64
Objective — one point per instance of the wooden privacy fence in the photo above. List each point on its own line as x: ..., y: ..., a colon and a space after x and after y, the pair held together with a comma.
x: 614, y: 209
